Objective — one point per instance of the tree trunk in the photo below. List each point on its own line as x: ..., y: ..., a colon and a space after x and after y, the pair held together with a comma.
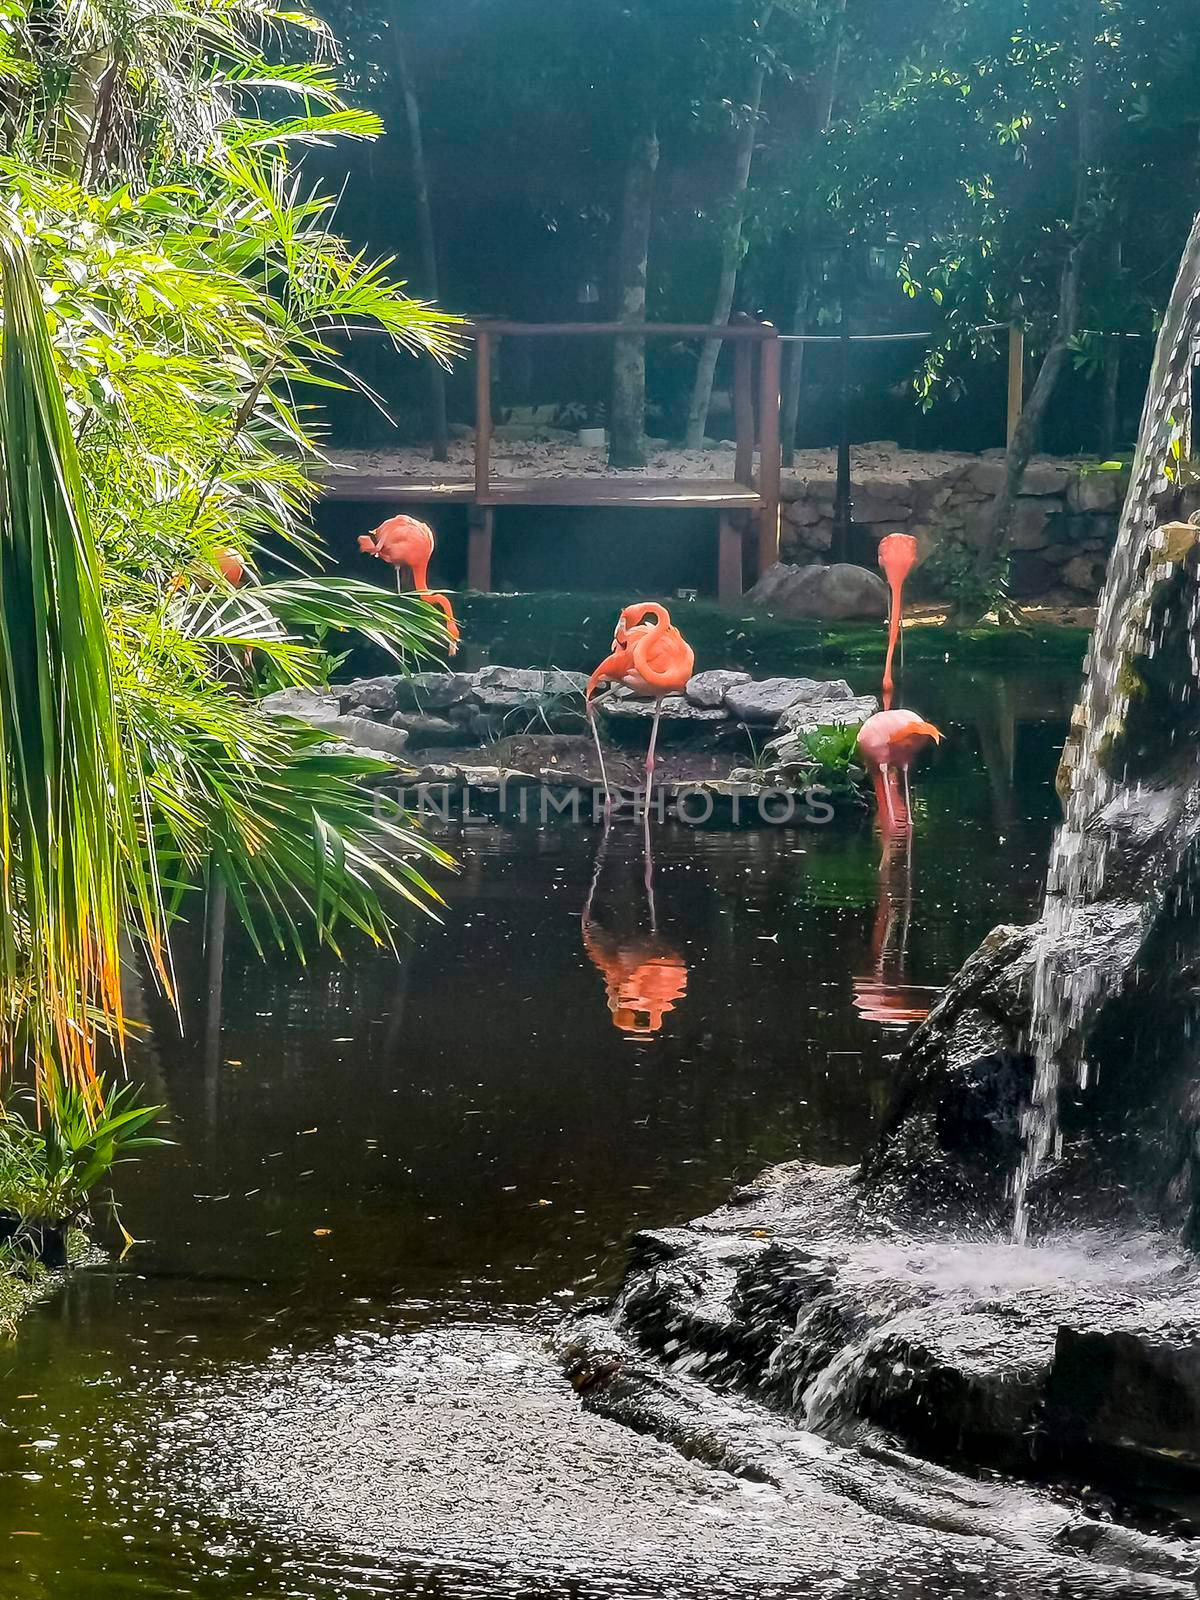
x: 627, y: 420
x: 789, y: 416
x: 1109, y: 420
x: 425, y: 236
x: 794, y: 378
x: 731, y: 251
x: 1028, y: 430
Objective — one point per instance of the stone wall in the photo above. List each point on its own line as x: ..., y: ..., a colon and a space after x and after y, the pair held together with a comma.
x: 1065, y: 525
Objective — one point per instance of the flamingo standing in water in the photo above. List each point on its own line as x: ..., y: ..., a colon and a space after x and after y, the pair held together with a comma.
x: 651, y: 657
x: 897, y: 557
x: 405, y: 542
x: 888, y: 741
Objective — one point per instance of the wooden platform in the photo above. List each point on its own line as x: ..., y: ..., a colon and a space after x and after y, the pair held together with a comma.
x: 663, y: 493
x: 740, y: 502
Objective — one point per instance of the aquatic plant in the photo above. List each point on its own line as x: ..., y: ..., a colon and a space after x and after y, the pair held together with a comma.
x: 51, y: 1161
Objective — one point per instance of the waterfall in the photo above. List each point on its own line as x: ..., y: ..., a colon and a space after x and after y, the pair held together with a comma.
x: 1074, y: 972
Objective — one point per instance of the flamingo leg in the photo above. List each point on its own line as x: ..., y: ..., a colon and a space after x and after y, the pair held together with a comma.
x: 907, y: 799
x: 887, y: 792
x: 649, y: 873
x: 650, y: 752
x: 603, y: 770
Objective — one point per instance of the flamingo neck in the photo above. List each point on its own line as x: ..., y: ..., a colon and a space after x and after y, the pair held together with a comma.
x: 896, y: 585
x: 420, y: 572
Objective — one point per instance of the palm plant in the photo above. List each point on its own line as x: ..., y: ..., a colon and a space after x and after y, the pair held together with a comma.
x: 169, y: 286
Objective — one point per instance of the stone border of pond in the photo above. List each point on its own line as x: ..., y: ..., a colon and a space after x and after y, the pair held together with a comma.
x: 489, y: 737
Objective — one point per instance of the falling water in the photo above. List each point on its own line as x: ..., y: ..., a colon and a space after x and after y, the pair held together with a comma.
x: 1072, y: 972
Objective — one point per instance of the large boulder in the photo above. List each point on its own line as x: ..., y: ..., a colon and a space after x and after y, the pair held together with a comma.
x: 708, y: 689
x: 835, y: 593
x: 838, y: 711
x: 676, y: 709
x: 766, y: 700
x: 431, y: 691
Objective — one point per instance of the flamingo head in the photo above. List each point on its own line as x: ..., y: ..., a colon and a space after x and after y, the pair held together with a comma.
x: 897, y: 556
x: 635, y: 617
x: 911, y: 739
x: 366, y: 543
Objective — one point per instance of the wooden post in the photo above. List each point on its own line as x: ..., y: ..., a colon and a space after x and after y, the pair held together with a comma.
x: 483, y: 412
x: 479, y: 548
x: 743, y: 411
x: 1016, y: 376
x: 768, y: 464
x: 729, y: 556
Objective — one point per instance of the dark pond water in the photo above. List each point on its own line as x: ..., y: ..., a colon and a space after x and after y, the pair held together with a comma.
x: 369, y: 1155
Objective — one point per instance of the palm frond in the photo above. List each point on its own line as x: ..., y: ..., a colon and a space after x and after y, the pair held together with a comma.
x: 71, y: 803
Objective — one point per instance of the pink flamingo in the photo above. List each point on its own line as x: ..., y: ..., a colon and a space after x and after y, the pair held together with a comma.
x: 651, y: 657
x: 888, y: 741
x: 897, y: 557
x: 405, y: 542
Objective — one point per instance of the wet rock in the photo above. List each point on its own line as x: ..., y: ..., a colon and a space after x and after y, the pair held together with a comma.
x: 423, y: 728
x: 766, y: 700
x: 376, y: 737
x: 676, y: 709
x: 529, y: 680
x: 836, y: 593
x: 1131, y: 1399
x: 306, y: 705
x: 363, y: 695
x: 431, y: 691
x: 805, y: 1296
x: 837, y: 711
x: 708, y: 689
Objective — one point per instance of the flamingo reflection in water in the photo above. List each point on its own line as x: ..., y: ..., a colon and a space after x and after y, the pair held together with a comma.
x: 645, y: 977
x: 882, y: 995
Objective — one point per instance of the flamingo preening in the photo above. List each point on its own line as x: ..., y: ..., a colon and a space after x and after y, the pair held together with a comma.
x: 890, y: 741
x: 897, y: 557
x: 651, y: 657
x: 405, y: 542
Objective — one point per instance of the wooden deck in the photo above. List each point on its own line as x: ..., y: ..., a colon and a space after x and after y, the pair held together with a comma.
x: 720, y: 494
x: 740, y: 502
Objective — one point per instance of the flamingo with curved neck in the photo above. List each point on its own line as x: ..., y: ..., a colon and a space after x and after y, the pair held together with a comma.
x: 651, y: 657
x: 405, y: 542
x: 897, y: 557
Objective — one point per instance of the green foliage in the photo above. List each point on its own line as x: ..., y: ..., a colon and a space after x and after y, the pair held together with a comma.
x: 48, y: 1168
x: 954, y: 573
x: 172, y: 283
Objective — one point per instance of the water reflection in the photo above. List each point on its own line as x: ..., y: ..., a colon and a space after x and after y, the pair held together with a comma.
x: 882, y: 994
x: 645, y: 977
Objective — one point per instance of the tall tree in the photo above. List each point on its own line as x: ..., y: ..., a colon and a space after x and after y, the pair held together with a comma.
x: 426, y: 243
x: 627, y: 418
x: 731, y: 238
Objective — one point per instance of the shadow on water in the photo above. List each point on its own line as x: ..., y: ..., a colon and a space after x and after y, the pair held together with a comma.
x: 467, y: 1136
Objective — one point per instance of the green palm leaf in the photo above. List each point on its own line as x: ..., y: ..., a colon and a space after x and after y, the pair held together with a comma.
x: 71, y: 804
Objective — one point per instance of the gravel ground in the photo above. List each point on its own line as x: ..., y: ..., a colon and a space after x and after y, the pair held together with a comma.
x: 881, y: 462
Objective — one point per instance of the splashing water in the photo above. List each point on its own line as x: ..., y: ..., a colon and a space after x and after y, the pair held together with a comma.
x: 1074, y: 973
